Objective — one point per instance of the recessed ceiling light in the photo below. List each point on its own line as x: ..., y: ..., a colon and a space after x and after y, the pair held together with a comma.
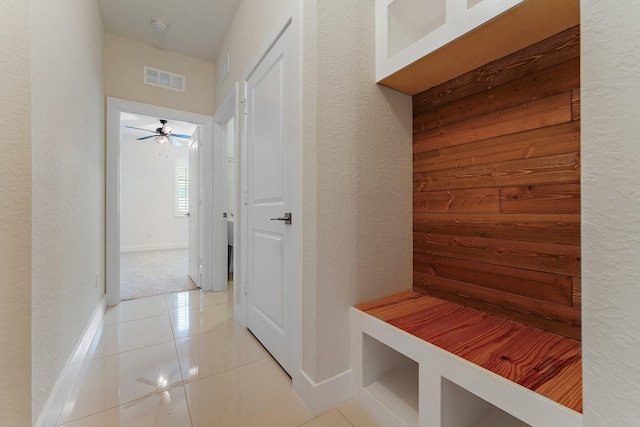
x: 159, y: 25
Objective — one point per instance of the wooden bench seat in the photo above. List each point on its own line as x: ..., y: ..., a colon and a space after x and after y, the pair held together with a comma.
x: 544, y: 362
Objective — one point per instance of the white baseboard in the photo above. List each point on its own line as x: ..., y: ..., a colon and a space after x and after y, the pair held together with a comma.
x: 58, y: 396
x: 142, y: 248
x: 324, y: 395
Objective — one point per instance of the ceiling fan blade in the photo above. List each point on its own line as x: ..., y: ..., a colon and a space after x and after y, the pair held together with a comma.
x: 147, y: 382
x: 174, y: 142
x: 177, y: 135
x: 146, y: 130
x: 146, y: 137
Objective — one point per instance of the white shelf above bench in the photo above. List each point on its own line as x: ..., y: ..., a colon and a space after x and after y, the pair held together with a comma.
x: 422, y: 43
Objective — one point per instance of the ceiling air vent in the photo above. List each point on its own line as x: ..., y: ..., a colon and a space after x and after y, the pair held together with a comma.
x: 164, y: 79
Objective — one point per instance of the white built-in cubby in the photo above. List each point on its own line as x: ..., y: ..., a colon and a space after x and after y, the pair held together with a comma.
x: 422, y: 43
x: 392, y: 377
x: 403, y: 380
x: 477, y: 411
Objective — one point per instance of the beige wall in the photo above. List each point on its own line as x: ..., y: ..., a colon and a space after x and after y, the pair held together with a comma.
x: 124, y: 62
x: 68, y: 183
x: 610, y: 213
x: 356, y: 168
x: 15, y: 211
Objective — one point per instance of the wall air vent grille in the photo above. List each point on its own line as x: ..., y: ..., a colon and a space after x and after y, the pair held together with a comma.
x: 163, y: 79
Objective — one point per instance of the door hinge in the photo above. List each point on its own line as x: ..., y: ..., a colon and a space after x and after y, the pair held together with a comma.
x: 245, y: 198
x: 244, y: 288
x: 244, y: 105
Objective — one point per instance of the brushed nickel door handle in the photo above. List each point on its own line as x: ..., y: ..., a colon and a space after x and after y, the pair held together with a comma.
x: 286, y: 218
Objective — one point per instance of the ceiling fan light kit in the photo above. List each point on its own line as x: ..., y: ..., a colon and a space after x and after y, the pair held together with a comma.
x: 159, y: 25
x: 162, y: 139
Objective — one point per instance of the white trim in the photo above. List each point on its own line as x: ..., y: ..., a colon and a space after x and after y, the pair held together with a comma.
x: 322, y: 396
x: 223, y: 114
x: 114, y: 107
x: 195, y: 187
x: 58, y: 396
x: 166, y: 246
x: 228, y: 109
x: 290, y: 20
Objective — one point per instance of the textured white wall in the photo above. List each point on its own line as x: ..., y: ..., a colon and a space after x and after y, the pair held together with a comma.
x: 124, y: 62
x: 15, y: 211
x: 68, y: 182
x: 357, y: 223
x: 147, y: 196
x: 611, y: 213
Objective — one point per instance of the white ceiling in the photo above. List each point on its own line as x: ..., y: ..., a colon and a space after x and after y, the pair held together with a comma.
x: 196, y: 27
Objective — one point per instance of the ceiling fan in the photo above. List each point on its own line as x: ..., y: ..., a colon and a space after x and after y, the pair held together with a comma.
x: 163, y: 135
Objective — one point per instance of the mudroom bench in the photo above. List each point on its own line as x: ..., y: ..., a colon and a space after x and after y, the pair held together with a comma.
x: 422, y: 361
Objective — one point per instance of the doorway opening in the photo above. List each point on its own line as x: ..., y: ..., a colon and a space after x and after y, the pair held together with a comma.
x: 158, y: 213
x: 226, y: 131
x: 206, y: 205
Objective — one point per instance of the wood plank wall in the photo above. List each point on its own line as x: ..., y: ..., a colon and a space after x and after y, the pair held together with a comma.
x: 496, y: 181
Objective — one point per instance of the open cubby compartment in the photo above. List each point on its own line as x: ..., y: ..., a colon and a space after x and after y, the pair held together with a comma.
x: 391, y: 378
x: 410, y: 20
x: 461, y: 408
x: 407, y: 30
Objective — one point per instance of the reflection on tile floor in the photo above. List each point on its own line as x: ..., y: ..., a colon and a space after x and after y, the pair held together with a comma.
x: 179, y: 360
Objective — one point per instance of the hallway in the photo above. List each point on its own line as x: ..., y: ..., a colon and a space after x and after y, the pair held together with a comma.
x: 179, y: 360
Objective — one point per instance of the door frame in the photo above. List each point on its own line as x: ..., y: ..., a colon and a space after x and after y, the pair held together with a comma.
x: 290, y: 20
x: 206, y: 226
x: 230, y: 108
x: 195, y: 214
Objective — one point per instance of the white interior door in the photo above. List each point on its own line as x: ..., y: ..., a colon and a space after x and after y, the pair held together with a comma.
x: 270, y: 107
x: 193, y: 211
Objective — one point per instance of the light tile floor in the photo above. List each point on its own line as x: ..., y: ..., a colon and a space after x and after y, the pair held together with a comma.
x: 179, y: 360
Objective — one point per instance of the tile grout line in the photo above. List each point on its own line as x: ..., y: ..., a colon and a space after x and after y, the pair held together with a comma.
x: 132, y: 349
x: 122, y: 404
x: 226, y: 370
x: 344, y: 415
x: 129, y: 351
x: 183, y: 385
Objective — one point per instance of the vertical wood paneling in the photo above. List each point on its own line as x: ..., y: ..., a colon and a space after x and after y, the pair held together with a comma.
x: 510, y: 128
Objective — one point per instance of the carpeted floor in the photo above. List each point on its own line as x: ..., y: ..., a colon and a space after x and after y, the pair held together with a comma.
x: 145, y: 274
